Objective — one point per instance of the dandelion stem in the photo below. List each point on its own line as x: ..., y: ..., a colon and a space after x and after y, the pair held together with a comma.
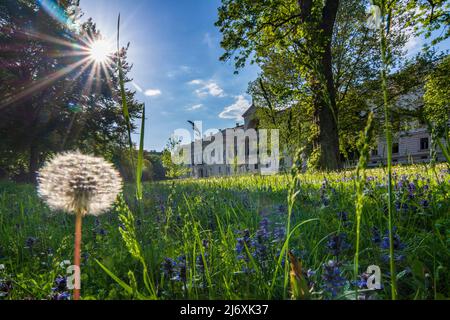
x: 78, y: 223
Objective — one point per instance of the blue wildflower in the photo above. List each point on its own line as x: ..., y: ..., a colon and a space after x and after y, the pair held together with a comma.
x: 376, y: 236
x: 60, y: 291
x: 262, y: 234
x: 30, y: 242
x: 168, y: 267
x: 385, y: 244
x: 424, y: 203
x: 333, y: 282
x: 181, y: 274
x: 5, y: 287
x: 411, y: 190
x: 61, y: 284
x: 337, y: 244
x: 343, y: 216
x: 242, y: 243
x: 64, y: 296
x: 279, y: 234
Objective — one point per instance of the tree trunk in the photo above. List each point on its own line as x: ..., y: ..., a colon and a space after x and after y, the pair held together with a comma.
x: 322, y: 83
x: 328, y: 138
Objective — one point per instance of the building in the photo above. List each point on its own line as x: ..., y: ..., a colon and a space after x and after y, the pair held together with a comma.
x: 413, y: 146
x: 410, y: 146
x: 220, y: 161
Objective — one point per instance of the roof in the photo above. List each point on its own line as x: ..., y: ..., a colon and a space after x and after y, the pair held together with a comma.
x: 250, y: 111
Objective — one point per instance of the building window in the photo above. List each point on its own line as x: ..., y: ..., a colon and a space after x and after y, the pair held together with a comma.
x: 247, y: 148
x: 375, y: 152
x: 256, y: 167
x: 424, y: 144
x: 395, y: 148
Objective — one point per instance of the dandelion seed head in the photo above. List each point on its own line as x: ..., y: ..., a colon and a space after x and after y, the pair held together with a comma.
x: 74, y: 182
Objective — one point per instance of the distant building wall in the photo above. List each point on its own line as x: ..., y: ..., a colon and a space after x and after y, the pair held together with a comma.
x: 409, y: 147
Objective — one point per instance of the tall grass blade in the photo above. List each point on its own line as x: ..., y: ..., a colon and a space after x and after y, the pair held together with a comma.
x: 364, y: 147
x: 140, y: 161
x: 123, y: 95
x: 386, y: 14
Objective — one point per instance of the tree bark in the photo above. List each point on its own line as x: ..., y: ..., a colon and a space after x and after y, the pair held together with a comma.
x: 322, y: 82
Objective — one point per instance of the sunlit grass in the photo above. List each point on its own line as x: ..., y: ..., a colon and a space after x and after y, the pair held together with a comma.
x: 198, y: 224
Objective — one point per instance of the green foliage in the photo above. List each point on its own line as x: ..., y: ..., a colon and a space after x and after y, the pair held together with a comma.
x: 437, y: 95
x: 207, y: 218
x: 437, y: 106
x: 49, y: 100
x: 430, y: 16
x: 364, y: 149
x: 298, y: 34
x: 174, y: 169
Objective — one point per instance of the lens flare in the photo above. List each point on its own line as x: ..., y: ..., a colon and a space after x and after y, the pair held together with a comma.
x: 100, y: 51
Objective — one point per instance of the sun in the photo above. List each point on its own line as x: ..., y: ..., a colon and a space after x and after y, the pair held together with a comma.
x: 100, y: 51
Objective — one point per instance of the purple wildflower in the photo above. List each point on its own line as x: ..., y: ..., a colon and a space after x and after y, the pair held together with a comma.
x: 333, y: 282
x: 168, y: 267
x: 337, y: 244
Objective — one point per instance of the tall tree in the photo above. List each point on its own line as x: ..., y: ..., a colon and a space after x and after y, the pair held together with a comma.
x: 252, y: 28
x: 54, y: 97
x: 355, y: 61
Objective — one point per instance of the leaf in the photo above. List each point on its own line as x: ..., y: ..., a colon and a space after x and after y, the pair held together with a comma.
x: 126, y: 287
x: 299, y: 285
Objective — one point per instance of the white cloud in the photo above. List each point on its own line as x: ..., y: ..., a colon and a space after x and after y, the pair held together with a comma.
x: 212, y: 89
x: 236, y: 110
x: 195, y: 107
x: 208, y: 88
x: 153, y: 92
x: 195, y: 82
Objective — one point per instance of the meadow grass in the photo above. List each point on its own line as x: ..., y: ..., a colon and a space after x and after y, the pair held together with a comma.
x: 226, y: 238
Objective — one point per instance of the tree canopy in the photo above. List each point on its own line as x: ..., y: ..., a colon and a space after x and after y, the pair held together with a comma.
x: 53, y: 97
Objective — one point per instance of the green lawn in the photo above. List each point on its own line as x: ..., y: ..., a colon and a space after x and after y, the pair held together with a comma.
x: 222, y: 238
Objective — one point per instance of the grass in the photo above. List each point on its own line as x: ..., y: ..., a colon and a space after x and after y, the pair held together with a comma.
x: 225, y: 238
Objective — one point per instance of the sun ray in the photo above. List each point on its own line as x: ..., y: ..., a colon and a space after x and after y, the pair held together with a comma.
x: 50, y: 39
x: 98, y: 82
x: 90, y: 79
x: 106, y: 68
x: 40, y: 84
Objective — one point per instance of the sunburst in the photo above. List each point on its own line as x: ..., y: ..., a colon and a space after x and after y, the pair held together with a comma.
x: 100, y: 51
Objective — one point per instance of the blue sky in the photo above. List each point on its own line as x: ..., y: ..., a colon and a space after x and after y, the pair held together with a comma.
x: 175, y: 49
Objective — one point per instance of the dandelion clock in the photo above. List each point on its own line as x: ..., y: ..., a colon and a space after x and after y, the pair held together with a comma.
x: 81, y: 185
